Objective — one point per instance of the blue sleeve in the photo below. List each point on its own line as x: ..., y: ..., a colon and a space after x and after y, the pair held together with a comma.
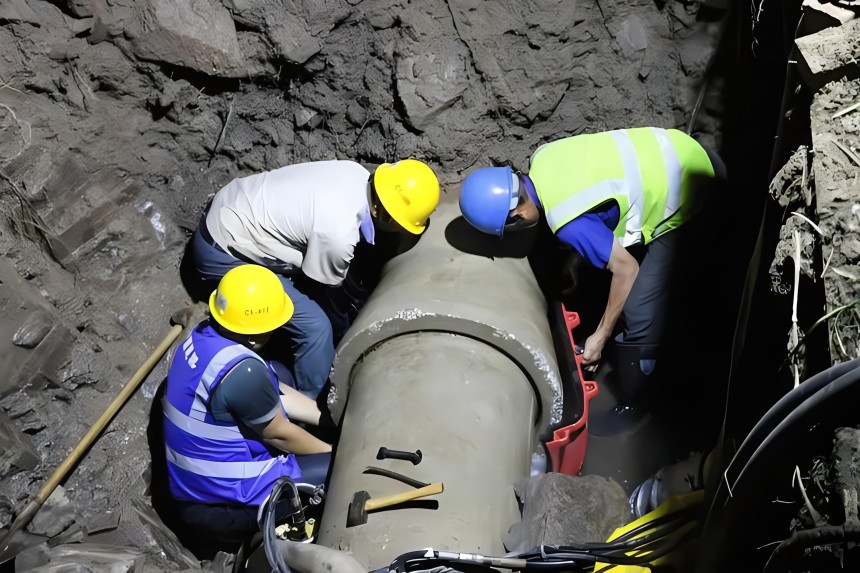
x: 590, y: 236
x: 246, y: 394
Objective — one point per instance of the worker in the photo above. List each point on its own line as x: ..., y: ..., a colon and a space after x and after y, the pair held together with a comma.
x: 303, y: 222
x: 601, y: 193
x: 229, y: 430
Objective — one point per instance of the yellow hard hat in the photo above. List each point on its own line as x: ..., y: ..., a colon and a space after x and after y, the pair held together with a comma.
x: 409, y: 191
x: 250, y: 300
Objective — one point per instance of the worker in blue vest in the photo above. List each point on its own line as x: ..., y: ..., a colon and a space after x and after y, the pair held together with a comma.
x: 601, y: 193
x: 228, y: 413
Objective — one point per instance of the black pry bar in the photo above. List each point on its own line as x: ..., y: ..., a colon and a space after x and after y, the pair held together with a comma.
x: 394, y: 475
x: 414, y: 457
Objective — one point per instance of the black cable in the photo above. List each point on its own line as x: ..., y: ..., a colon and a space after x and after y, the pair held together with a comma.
x: 728, y: 525
x: 765, y: 426
x: 779, y: 411
x: 806, y: 538
x: 649, y: 557
x: 837, y: 392
x: 273, y: 555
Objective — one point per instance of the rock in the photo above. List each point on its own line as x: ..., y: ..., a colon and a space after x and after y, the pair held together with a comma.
x: 7, y: 511
x: 34, y: 330
x: 16, y: 452
x: 829, y: 54
x: 522, y: 50
x: 305, y: 116
x: 17, y: 11
x: 287, y: 31
x: 846, y: 471
x: 428, y: 84
x: 632, y: 36
x: 560, y: 509
x: 850, y: 247
x: 80, y: 8
x: 820, y: 15
x: 195, y: 34
x: 55, y: 515
x: 356, y: 114
x: 792, y: 184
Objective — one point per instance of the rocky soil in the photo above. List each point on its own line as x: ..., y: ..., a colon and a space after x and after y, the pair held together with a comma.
x: 118, y: 118
x: 819, y: 188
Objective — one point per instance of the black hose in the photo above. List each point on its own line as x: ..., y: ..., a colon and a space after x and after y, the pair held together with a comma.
x: 766, y: 425
x: 550, y: 558
x: 623, y: 559
x: 806, y: 538
x: 729, y: 523
x: 270, y: 546
x: 837, y: 392
x: 783, y: 408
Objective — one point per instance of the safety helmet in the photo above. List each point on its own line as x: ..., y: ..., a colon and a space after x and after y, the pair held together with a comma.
x: 250, y: 300
x: 487, y: 196
x: 409, y: 191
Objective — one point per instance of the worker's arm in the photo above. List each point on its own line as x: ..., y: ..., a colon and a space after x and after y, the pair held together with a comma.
x: 624, y: 269
x: 282, y: 434
x: 247, y: 395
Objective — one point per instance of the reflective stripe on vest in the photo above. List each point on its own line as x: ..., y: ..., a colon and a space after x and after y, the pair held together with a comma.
x: 198, y: 428
x: 673, y: 172
x: 223, y: 470
x: 646, y: 171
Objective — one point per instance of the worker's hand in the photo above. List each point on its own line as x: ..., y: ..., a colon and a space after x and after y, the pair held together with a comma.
x: 593, y: 348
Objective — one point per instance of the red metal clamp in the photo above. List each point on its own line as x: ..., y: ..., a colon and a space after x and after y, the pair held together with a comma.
x: 567, y: 448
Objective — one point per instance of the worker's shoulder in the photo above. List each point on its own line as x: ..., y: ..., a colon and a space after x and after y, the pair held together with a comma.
x: 249, y: 371
x: 325, y: 168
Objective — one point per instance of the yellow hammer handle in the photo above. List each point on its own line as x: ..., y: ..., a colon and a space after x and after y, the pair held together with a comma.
x: 389, y: 500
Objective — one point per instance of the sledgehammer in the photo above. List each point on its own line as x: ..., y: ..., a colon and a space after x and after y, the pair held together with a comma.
x: 361, y: 502
x: 179, y: 320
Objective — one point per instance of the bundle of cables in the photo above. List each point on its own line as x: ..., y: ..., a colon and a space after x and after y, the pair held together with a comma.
x: 639, y: 546
x: 270, y: 546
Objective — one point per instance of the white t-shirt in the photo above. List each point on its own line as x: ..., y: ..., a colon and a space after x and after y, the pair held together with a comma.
x: 304, y: 216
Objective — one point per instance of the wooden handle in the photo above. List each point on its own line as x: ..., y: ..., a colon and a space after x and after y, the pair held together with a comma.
x: 107, y: 416
x: 389, y: 500
x: 36, y: 503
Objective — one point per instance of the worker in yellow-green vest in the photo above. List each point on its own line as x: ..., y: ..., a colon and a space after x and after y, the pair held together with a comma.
x: 601, y: 193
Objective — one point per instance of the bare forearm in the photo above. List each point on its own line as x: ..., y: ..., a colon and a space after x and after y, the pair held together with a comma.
x: 296, y: 440
x: 619, y: 289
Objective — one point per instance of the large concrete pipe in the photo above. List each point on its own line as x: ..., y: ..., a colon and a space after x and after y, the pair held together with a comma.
x: 452, y: 355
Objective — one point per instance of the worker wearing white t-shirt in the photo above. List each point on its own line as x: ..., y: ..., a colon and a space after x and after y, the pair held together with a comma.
x: 308, y: 218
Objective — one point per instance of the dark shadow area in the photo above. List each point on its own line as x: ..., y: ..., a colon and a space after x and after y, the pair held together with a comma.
x: 195, y: 285
x: 760, y: 93
x: 465, y: 238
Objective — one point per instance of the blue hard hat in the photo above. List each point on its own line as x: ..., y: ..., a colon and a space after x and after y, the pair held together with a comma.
x: 487, y: 196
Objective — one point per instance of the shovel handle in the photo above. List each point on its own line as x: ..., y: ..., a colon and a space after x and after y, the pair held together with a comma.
x: 389, y: 500
x: 83, y: 445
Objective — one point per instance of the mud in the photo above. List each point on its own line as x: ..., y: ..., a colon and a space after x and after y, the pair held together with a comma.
x: 821, y: 182
x: 119, y: 118
x: 837, y: 164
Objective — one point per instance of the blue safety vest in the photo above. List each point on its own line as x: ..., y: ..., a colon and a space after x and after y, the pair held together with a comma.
x: 209, y: 461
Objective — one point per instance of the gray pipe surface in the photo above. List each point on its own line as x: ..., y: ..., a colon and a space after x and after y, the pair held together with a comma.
x: 435, y: 287
x: 307, y: 558
x: 469, y: 409
x: 453, y: 355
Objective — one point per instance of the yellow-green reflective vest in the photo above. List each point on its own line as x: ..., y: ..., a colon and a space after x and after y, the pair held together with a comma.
x: 650, y: 172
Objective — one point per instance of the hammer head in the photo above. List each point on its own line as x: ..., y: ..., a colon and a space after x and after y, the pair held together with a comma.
x: 357, y: 514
